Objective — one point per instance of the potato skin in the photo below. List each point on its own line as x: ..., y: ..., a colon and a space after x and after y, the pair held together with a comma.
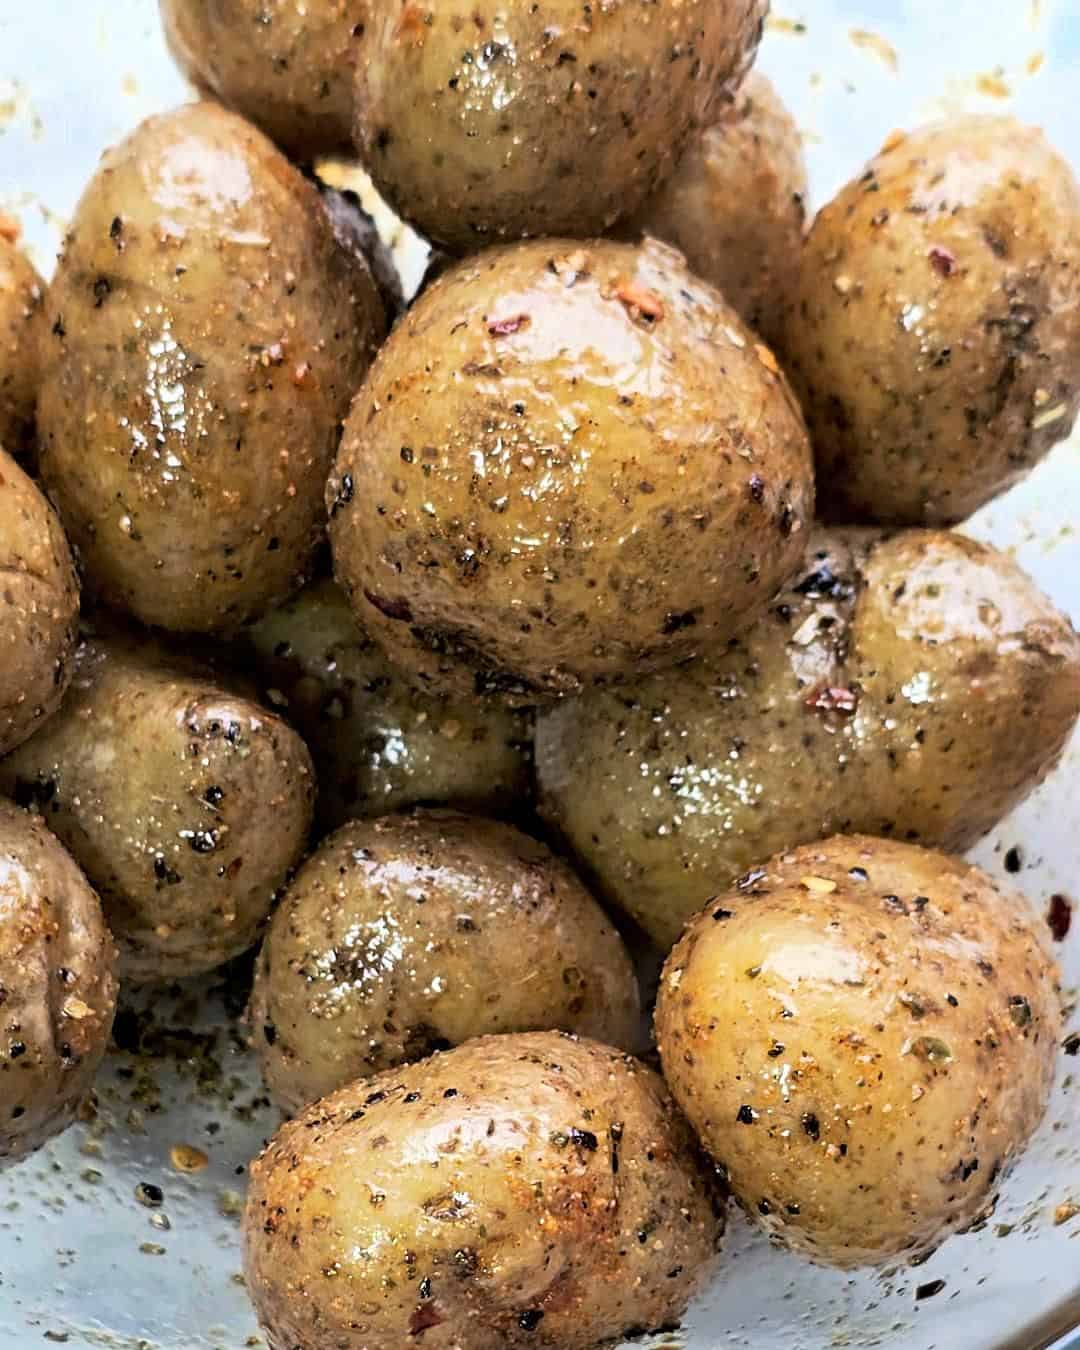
x: 735, y: 205
x: 483, y: 121
x: 916, y: 686
x: 378, y: 743
x: 39, y: 606
x: 56, y: 972
x: 21, y: 330
x: 868, y: 1061
x: 540, y: 485
x: 935, y: 335
x: 207, y: 333
x: 491, y: 1197
x: 184, y: 804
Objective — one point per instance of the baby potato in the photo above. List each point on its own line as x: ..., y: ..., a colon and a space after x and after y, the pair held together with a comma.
x: 493, y: 1197
x: 21, y: 314
x: 56, y: 975
x: 208, y: 331
x: 483, y: 121
x: 735, y: 205
x: 39, y: 606
x: 863, y: 1033
x: 569, y: 461
x: 184, y: 804
x: 405, y: 935
x: 934, y: 336
x: 916, y: 685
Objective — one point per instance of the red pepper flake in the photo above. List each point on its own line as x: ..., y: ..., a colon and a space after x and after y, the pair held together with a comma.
x: 1059, y: 917
x: 504, y: 327
x: 942, y: 261
x: 825, y: 698
x: 411, y: 24
x: 301, y: 374
x: 639, y: 300
x: 426, y: 1315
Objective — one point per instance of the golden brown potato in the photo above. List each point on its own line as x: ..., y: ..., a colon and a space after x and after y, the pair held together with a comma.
x: 184, y: 804
x: 56, y: 981
x: 735, y: 206
x: 863, y: 1034
x: 39, y: 605
x: 378, y: 743
x: 483, y: 121
x: 21, y: 316
x: 917, y: 685
x: 570, y: 461
x: 208, y: 331
x: 935, y: 334
x: 414, y: 933
x: 530, y: 1190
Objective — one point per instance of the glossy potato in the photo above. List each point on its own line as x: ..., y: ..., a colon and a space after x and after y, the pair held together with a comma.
x: 934, y: 337
x: 405, y: 935
x: 184, y: 804
x: 917, y: 686
x: 483, y: 121
x: 207, y: 333
x: 56, y: 974
x: 21, y: 314
x: 570, y: 461
x: 863, y: 1034
x: 491, y: 1197
x: 39, y: 605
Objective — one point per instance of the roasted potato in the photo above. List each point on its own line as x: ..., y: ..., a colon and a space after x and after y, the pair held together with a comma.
x: 917, y: 686
x: 570, y: 461
x: 483, y: 121
x: 57, y: 983
x: 207, y: 333
x: 356, y: 229
x: 492, y: 1197
x: 405, y: 935
x: 185, y: 804
x: 39, y: 605
x: 21, y: 315
x: 934, y: 336
x: 863, y: 1034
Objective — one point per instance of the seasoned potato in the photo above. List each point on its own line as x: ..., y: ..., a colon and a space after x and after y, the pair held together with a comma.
x: 379, y: 744
x: 39, y: 604
x: 184, y: 804
x: 735, y: 206
x: 21, y: 314
x: 56, y: 976
x: 208, y: 331
x: 483, y: 121
x: 917, y: 685
x: 569, y: 461
x: 356, y: 229
x: 935, y: 333
x: 491, y: 1197
x: 406, y: 935
x: 863, y: 1034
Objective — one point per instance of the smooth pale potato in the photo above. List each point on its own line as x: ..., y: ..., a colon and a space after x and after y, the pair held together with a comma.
x: 39, y: 606
x: 916, y: 685
x: 483, y: 121
x: 735, y: 205
x: 208, y: 330
x: 185, y: 804
x: 21, y: 319
x: 491, y: 1197
x: 410, y: 934
x: 56, y: 977
x: 934, y: 337
x: 569, y: 462
x: 863, y: 1034
x: 378, y: 743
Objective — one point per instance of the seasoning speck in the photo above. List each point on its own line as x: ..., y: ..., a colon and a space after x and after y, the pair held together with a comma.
x: 1066, y: 1211
x: 1059, y: 917
x: 187, y: 1158
x: 149, y: 1195
x: 929, y: 1290
x: 817, y: 885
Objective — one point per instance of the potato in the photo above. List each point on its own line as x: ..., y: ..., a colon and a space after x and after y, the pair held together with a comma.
x: 569, y: 461
x: 379, y: 744
x: 735, y: 206
x: 356, y: 229
x: 39, y: 605
x: 935, y: 334
x: 56, y: 979
x: 405, y: 935
x: 917, y: 685
x: 530, y: 1190
x: 21, y: 314
x: 483, y: 121
x: 863, y: 1034
x: 208, y: 332
x: 184, y: 804
x: 287, y: 67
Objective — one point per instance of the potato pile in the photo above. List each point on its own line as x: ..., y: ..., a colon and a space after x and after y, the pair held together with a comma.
x: 360, y: 580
